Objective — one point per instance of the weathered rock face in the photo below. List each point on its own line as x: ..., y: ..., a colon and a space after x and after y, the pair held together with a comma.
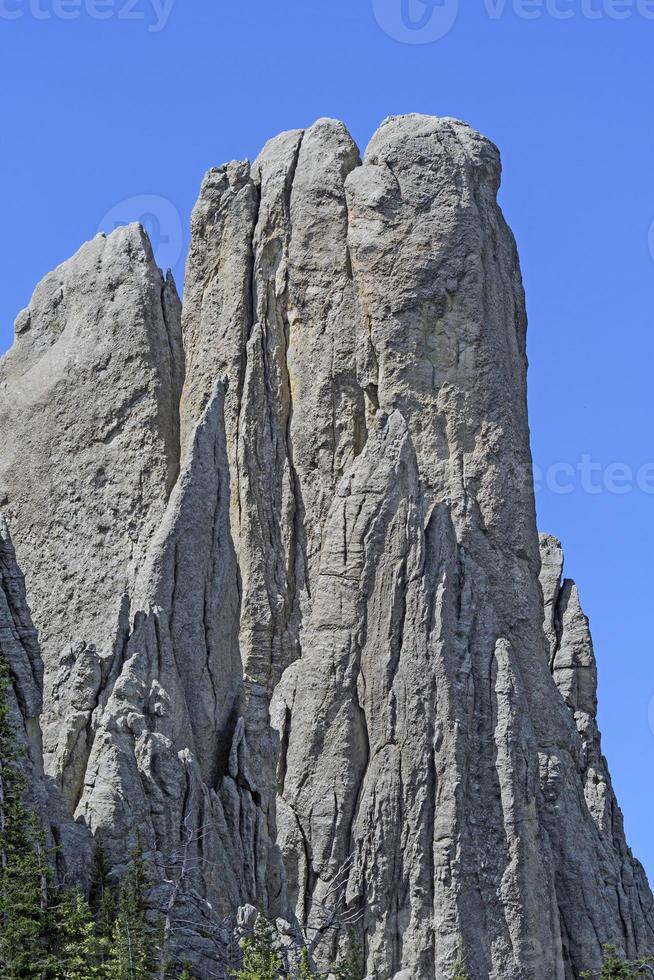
x: 88, y: 412
x: 19, y: 649
x: 619, y: 892
x: 442, y: 626
x: 326, y: 654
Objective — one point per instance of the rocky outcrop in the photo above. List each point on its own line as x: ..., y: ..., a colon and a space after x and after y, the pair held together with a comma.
x: 298, y: 633
x: 71, y: 844
x: 88, y: 412
x: 620, y: 891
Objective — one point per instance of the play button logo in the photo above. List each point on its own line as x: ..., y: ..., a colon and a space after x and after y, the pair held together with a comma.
x: 416, y: 21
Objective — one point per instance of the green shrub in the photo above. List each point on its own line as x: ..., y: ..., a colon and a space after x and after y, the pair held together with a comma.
x: 616, y: 967
x: 460, y: 972
x: 260, y: 959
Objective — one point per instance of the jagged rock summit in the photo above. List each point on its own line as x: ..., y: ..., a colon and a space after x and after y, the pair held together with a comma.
x: 281, y: 551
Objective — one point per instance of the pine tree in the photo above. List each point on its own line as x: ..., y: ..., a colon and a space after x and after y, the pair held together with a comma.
x: 77, y: 953
x: 260, y: 959
x: 134, y: 942
x: 305, y: 970
x: 103, y: 907
x: 460, y: 972
x: 24, y: 872
x: 459, y: 969
x: 615, y: 967
x: 348, y: 965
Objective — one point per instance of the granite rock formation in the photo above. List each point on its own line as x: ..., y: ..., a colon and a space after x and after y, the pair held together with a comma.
x: 283, y: 560
x: 88, y: 408
x: 70, y: 842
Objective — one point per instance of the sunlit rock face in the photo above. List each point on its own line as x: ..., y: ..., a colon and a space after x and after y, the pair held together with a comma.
x: 280, y: 547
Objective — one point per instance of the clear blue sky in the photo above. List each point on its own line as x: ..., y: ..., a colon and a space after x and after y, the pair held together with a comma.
x: 139, y: 104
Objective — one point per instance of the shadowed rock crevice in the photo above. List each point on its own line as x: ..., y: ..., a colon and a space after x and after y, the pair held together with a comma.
x: 71, y: 844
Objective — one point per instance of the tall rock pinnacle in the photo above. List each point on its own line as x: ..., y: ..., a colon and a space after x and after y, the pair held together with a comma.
x: 88, y: 411
x: 303, y: 625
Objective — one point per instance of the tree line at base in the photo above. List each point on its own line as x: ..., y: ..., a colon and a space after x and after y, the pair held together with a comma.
x: 50, y: 932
